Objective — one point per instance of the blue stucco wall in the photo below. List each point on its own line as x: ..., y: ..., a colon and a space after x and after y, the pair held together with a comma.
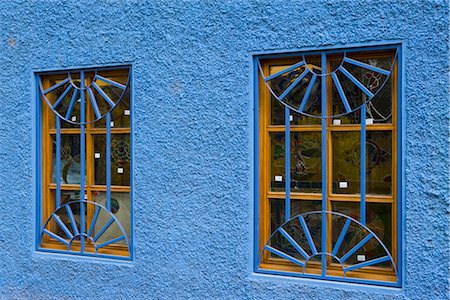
x: 193, y: 140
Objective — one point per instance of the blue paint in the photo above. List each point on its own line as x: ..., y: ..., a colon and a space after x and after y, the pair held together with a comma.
x: 191, y: 117
x: 287, y: 161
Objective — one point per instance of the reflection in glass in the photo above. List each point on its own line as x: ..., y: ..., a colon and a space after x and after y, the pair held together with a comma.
x: 346, y: 162
x: 277, y: 162
x: 120, y: 115
x: 294, y: 228
x: 120, y: 159
x: 379, y: 162
x: 120, y: 208
x: 378, y: 219
x: 70, y: 159
x: 306, y: 161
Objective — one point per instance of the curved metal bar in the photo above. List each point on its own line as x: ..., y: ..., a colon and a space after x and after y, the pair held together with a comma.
x: 303, y: 103
x: 113, y: 219
x: 371, y: 234
x: 66, y: 117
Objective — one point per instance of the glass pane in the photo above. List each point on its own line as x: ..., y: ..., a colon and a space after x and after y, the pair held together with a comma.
x: 120, y: 208
x: 354, y: 96
x: 277, y: 115
x: 379, y: 162
x: 66, y: 197
x: 64, y: 104
x: 120, y: 115
x: 306, y: 162
x: 346, y: 162
x: 379, y: 109
x: 294, y: 228
x: 277, y: 209
x: 277, y: 162
x: 70, y: 159
x: 120, y: 159
x: 378, y: 219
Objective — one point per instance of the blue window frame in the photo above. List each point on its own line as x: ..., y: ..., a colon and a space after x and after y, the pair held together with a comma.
x: 323, y: 210
x: 84, y: 162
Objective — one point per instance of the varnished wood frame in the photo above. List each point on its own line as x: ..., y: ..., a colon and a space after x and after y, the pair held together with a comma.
x: 264, y: 130
x: 47, y: 204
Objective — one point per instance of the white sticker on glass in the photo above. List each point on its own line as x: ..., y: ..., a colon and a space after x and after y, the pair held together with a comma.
x: 120, y: 170
x: 343, y: 184
x: 336, y: 122
x: 369, y: 121
x: 126, y: 112
x: 360, y: 257
x: 74, y: 118
x: 112, y: 123
x: 291, y: 118
x: 85, y: 197
x: 97, y: 155
x: 278, y: 178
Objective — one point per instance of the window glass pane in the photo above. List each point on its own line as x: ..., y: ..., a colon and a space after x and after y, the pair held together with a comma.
x: 120, y: 208
x: 120, y: 115
x: 70, y: 159
x: 120, y: 159
x: 378, y: 219
x: 379, y: 162
x: 66, y: 197
x: 346, y: 162
x: 306, y: 162
x: 294, y: 228
x: 277, y: 162
x: 379, y: 109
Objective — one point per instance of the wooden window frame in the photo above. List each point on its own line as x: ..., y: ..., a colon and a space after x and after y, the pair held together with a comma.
x: 263, y: 175
x: 46, y: 203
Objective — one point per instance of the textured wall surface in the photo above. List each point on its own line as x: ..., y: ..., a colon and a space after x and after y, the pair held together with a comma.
x: 193, y: 140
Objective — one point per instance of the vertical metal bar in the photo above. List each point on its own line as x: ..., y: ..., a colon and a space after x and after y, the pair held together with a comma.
x: 362, y: 182
x: 58, y: 161
x: 401, y: 157
x: 82, y: 158
x: 287, y: 160
x: 108, y: 161
x: 256, y: 164
x: 324, y: 162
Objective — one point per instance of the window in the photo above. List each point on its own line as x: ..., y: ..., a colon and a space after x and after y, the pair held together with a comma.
x: 327, y: 196
x: 84, y: 166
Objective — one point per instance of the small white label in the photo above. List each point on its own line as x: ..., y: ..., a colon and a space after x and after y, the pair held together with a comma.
x: 291, y: 118
x: 360, y: 257
x: 85, y: 197
x: 343, y: 184
x: 97, y: 155
x: 126, y: 112
x: 79, y: 100
x: 74, y: 118
x: 369, y: 121
x: 112, y: 123
x: 120, y: 170
x: 336, y: 122
x: 278, y: 178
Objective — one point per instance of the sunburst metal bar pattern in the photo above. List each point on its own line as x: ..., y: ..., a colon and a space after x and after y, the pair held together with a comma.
x: 288, y: 91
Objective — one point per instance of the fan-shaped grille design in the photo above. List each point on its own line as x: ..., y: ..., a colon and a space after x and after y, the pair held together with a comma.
x: 68, y: 226
x: 353, y: 247
x: 356, y: 82
x: 65, y: 96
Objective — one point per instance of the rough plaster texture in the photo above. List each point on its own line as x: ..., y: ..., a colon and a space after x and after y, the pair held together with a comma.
x: 193, y: 176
